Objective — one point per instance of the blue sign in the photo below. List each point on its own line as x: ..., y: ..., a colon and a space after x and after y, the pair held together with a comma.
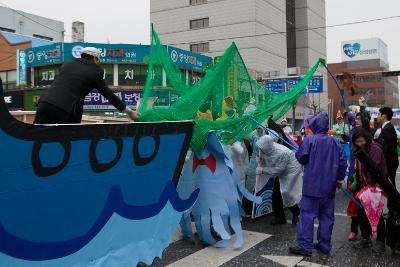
x: 22, y: 69
x: 315, y: 85
x: 95, y: 101
x: 351, y: 50
x: 188, y: 60
x: 113, y: 54
x: 44, y: 55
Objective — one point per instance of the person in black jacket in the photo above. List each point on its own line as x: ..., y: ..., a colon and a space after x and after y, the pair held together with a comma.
x: 388, y: 138
x: 63, y: 101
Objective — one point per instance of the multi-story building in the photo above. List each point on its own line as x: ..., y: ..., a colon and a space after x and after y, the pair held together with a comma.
x: 10, y: 43
x: 275, y: 38
x: 30, y: 25
x: 367, y: 62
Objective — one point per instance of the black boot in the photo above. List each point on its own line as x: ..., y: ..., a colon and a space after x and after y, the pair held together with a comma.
x: 299, y: 251
x: 278, y: 221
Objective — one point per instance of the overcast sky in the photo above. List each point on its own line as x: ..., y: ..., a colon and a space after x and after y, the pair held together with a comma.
x: 127, y: 21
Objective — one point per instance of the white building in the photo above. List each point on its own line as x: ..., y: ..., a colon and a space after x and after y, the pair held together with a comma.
x: 31, y: 25
x: 273, y: 36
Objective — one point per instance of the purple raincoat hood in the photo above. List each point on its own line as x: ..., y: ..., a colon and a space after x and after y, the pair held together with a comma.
x: 351, y: 117
x: 320, y: 123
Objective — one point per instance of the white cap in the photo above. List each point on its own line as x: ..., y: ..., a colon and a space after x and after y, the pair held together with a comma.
x: 92, y: 51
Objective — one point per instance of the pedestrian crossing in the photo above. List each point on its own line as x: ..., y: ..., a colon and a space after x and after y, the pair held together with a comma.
x: 214, y: 257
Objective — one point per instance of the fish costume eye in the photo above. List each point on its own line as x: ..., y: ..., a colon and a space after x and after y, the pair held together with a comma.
x: 43, y: 171
x: 102, y: 167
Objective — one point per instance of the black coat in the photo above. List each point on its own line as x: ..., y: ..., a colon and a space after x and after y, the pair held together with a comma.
x: 388, y: 138
x: 76, y: 79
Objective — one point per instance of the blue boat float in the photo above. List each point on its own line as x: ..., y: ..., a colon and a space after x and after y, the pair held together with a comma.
x: 89, y: 195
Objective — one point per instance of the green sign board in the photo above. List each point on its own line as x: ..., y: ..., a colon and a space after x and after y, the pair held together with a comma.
x: 31, y: 98
x: 112, y: 54
x: 21, y: 68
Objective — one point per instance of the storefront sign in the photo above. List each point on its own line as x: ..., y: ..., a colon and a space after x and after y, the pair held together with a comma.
x: 111, y: 53
x: 14, y: 100
x: 95, y: 101
x: 21, y: 68
x: 188, y: 60
x: 44, y: 55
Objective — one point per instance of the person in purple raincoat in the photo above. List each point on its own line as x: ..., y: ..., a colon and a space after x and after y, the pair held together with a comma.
x: 324, y: 169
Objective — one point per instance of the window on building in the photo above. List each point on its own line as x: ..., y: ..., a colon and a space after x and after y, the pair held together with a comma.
x: 6, y: 30
x: 197, y: 2
x: 199, y: 23
x: 200, y: 48
x: 43, y: 37
x: 291, y: 33
x: 46, y: 75
x: 133, y: 75
x: 9, y: 79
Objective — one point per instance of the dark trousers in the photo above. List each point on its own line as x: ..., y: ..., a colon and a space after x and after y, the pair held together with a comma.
x: 365, y: 227
x: 49, y: 114
x: 355, y: 223
x: 277, y: 202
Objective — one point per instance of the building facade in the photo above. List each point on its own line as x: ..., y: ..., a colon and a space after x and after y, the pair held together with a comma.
x: 367, y: 62
x: 265, y: 31
x: 275, y: 38
x: 125, y: 71
x: 30, y: 25
x: 10, y: 43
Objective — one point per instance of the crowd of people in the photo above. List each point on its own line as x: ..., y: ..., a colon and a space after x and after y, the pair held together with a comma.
x: 352, y: 157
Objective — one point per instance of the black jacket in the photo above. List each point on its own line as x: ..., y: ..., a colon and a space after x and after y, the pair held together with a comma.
x: 388, y: 137
x: 76, y: 79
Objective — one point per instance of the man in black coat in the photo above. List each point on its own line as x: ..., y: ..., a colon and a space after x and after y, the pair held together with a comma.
x: 63, y: 101
x: 388, y: 137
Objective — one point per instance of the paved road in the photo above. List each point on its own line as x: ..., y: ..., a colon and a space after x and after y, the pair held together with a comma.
x: 268, y: 246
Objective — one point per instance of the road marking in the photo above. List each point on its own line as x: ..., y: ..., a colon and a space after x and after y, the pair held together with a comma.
x: 340, y: 214
x: 310, y: 264
x: 291, y: 261
x: 214, y: 257
x: 288, y: 261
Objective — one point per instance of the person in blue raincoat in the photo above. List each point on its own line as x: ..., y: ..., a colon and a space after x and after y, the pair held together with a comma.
x: 324, y: 170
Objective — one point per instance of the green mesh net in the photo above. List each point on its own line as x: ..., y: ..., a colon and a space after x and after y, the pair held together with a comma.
x: 226, y: 99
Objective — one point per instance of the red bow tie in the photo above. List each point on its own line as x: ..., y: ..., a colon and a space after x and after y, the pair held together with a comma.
x: 210, y: 162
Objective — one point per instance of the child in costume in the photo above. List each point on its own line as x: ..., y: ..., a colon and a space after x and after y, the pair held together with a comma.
x: 340, y: 129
